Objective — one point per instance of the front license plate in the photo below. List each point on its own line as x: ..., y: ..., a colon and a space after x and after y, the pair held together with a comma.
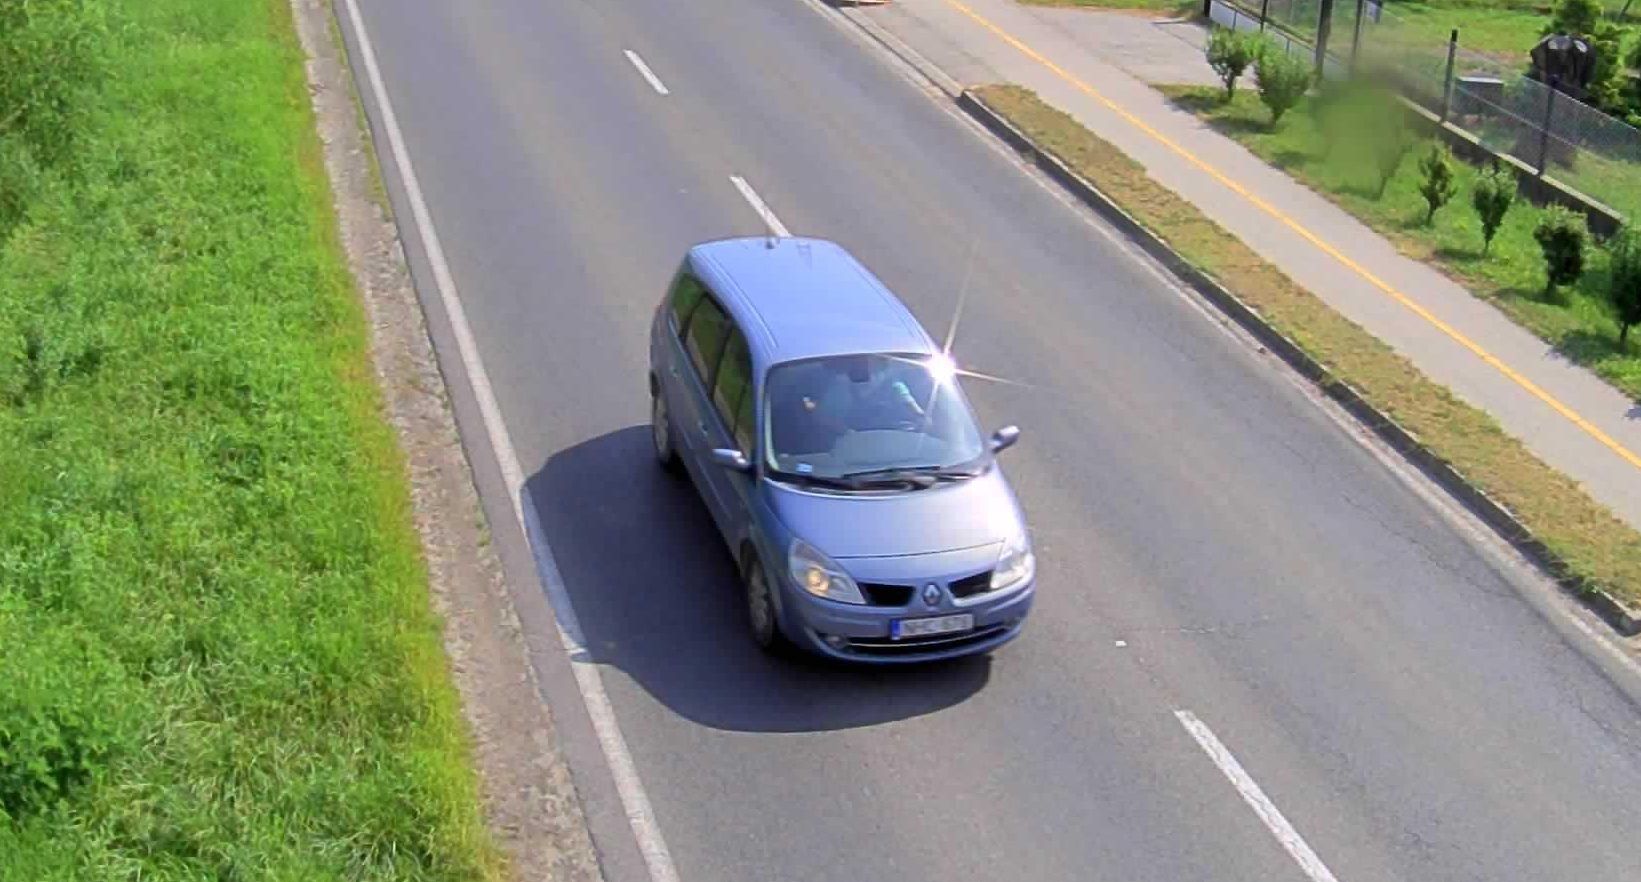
x: 900, y: 629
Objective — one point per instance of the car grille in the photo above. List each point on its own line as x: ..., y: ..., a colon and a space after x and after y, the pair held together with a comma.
x: 887, y: 595
x: 979, y: 583
x: 882, y: 646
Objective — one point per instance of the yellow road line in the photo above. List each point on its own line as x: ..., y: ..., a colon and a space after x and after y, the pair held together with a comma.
x: 1491, y: 359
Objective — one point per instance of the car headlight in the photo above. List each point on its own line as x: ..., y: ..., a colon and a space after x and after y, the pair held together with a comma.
x: 1014, y: 565
x: 820, y: 575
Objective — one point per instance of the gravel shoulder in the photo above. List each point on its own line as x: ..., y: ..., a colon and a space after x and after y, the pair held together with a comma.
x: 530, y: 801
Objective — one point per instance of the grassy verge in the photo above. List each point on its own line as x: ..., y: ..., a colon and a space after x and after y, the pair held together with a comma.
x: 218, y: 655
x: 1595, y: 544
x: 1577, y: 321
x: 1505, y: 31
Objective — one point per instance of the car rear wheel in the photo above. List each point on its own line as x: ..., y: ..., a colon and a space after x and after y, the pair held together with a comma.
x: 661, y: 434
x: 760, y: 611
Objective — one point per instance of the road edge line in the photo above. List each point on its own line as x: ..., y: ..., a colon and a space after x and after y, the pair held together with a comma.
x: 618, y: 759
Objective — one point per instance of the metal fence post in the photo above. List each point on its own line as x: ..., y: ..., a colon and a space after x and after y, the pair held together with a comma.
x: 1324, y: 24
x: 1544, y: 129
x: 1264, y: 13
x: 1447, y: 80
x: 1356, y: 35
x: 1207, y: 8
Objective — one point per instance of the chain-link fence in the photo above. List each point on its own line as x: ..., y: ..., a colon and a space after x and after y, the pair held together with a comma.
x: 1507, y: 111
x: 1287, y: 32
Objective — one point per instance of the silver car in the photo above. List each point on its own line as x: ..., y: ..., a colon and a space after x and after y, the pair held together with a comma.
x: 828, y: 436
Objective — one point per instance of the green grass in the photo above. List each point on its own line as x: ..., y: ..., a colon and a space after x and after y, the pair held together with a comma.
x: 1595, y: 545
x: 218, y: 657
x: 1504, y: 31
x: 1578, y: 321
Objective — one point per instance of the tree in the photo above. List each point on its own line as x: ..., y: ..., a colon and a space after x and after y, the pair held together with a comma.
x: 1586, y: 19
x: 1624, y: 290
x: 1283, y: 80
x: 1437, y: 185
x: 1390, y: 145
x: 1561, y: 235
x: 1495, y: 192
x: 1574, y: 17
x: 1606, y: 81
x: 1229, y: 54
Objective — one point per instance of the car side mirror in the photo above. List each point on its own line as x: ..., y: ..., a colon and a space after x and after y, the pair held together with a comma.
x: 1004, y: 438
x: 731, y: 459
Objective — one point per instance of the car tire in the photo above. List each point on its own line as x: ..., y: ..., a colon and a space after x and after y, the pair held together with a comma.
x: 763, y: 622
x: 661, y: 435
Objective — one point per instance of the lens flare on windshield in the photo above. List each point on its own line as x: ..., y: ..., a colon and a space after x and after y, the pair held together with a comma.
x: 944, y: 369
x: 941, y: 367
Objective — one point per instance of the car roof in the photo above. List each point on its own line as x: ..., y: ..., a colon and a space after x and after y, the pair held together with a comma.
x: 804, y: 298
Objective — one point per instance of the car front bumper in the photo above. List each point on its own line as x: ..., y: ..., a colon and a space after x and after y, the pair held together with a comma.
x: 852, y: 633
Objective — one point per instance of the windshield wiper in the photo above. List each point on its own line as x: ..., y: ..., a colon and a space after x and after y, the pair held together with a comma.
x: 922, y: 476
x: 817, y: 480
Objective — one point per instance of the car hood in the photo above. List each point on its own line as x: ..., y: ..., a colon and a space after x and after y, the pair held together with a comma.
x: 945, y: 517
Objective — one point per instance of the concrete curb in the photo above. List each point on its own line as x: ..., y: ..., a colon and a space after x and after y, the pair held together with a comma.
x: 1623, y: 618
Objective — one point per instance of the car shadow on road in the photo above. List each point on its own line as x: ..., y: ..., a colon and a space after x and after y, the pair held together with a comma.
x: 658, y: 597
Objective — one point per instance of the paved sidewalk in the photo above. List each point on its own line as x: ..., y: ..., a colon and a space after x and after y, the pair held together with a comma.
x: 1095, y: 66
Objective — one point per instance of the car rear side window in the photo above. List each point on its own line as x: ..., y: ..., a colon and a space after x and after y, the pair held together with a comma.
x: 732, y: 392
x: 687, y: 293
x: 704, y: 338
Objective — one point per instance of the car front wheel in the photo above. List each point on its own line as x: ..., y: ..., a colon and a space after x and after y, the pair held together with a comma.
x: 661, y: 434
x: 760, y: 611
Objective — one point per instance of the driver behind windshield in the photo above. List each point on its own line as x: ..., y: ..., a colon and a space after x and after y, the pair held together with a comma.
x: 844, y: 415
x: 865, y: 393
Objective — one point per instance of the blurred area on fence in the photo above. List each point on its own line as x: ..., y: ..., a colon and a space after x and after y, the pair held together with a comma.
x: 1493, y: 99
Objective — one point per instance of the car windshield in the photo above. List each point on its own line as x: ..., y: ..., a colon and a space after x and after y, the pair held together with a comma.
x: 861, y: 416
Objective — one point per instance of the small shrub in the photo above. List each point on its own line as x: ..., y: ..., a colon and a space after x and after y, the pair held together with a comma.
x: 1283, y: 80
x: 1348, y: 112
x: 1436, y: 184
x: 48, y: 54
x: 1624, y: 288
x: 1229, y: 54
x: 1495, y: 192
x: 1390, y: 145
x: 1331, y: 110
x: 1561, y: 234
x: 60, y: 721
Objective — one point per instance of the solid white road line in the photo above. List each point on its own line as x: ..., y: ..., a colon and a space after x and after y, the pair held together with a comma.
x: 655, y: 81
x: 634, y: 800
x: 757, y: 203
x: 1256, y: 799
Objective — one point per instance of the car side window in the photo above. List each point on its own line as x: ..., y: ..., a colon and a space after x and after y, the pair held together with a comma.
x: 732, y: 391
x: 746, y: 420
x: 687, y: 293
x: 704, y: 338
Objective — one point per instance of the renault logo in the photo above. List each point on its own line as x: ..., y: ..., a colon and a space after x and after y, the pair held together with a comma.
x: 931, y: 594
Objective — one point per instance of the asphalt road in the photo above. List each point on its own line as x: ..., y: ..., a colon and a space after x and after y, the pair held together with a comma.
x: 1210, y: 540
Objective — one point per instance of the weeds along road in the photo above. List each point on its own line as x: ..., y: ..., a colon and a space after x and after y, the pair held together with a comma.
x: 1258, y: 654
